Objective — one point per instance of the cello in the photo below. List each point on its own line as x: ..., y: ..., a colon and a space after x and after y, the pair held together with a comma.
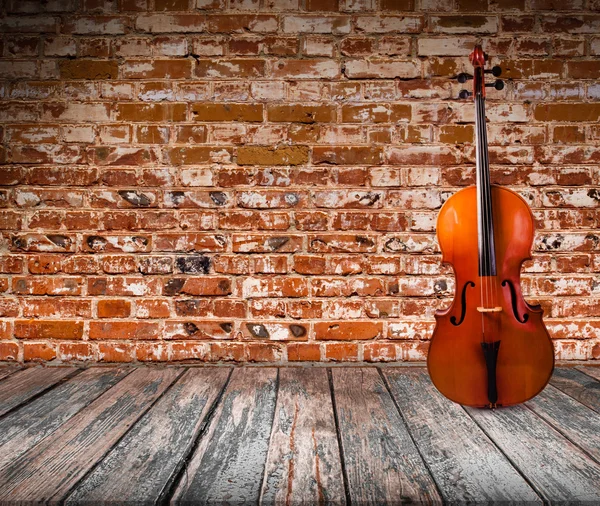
x: 490, y: 348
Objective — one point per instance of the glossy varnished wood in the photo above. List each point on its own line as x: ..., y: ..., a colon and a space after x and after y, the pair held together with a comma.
x: 307, y: 435
x: 526, y: 356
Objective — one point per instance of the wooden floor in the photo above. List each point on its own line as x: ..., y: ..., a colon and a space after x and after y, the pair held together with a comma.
x: 359, y: 435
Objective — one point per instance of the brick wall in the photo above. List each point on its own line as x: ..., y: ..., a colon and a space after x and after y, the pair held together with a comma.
x: 258, y: 180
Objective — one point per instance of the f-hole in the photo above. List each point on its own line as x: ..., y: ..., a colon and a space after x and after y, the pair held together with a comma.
x: 513, y: 300
x: 463, y: 301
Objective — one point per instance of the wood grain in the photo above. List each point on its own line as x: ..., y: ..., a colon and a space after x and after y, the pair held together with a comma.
x: 228, y: 465
x: 571, y: 418
x: 49, y: 470
x: 23, y: 385
x: 578, y: 385
x: 7, y: 371
x: 463, y: 461
x: 556, y: 468
x: 24, y: 428
x: 157, y: 444
x: 303, y: 464
x: 382, y: 462
x: 593, y: 371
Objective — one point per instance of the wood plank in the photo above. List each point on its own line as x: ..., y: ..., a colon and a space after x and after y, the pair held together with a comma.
x: 590, y: 370
x: 578, y: 385
x: 463, y: 461
x: 228, y: 465
x: 569, y: 417
x: 303, y: 464
x: 153, y: 451
x: 6, y: 371
x: 382, y: 463
x: 50, y: 469
x: 23, y: 385
x: 24, y: 428
x: 556, y: 468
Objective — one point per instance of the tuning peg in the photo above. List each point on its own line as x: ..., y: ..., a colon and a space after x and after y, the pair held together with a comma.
x: 495, y: 71
x: 463, y: 78
x: 464, y: 94
x: 499, y: 84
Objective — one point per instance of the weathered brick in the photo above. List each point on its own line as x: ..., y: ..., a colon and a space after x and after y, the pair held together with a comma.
x: 344, y: 330
x: 157, y: 69
x: 266, y: 155
x: 301, y: 113
x: 150, y: 112
x: 48, y: 329
x: 123, y: 330
x: 227, y: 112
x: 235, y: 68
x: 382, y: 69
x: 88, y: 69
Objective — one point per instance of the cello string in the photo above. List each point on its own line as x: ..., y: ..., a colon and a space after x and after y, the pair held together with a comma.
x: 485, y: 204
x: 481, y: 241
x: 489, y: 204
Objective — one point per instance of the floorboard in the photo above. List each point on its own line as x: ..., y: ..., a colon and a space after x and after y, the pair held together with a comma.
x: 577, y: 422
x: 6, y: 371
x: 50, y: 469
x: 171, y: 426
x: 465, y: 464
x: 556, y: 468
x: 594, y: 372
x: 293, y: 435
x: 382, y: 463
x: 24, y: 428
x: 25, y: 384
x: 229, y: 463
x: 303, y: 464
x: 578, y: 385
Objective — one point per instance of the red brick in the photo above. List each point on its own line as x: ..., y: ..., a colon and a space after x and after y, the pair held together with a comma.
x: 152, y: 352
x: 341, y: 352
x: 88, y: 69
x: 302, y: 352
x: 228, y: 352
x: 226, y: 69
x: 227, y: 112
x: 379, y: 352
x: 9, y: 351
x: 341, y: 330
x: 264, y: 352
x: 124, y: 330
x: 346, y: 155
x: 39, y: 352
x: 68, y: 352
x: 48, y: 329
x: 115, y: 352
x: 190, y: 351
x: 151, y: 112
x: 115, y: 308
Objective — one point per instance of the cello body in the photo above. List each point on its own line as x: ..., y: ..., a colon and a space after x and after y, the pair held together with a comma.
x: 525, y: 359
x: 490, y: 347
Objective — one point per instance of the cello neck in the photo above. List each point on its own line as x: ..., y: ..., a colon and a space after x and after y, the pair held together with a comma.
x: 485, y: 222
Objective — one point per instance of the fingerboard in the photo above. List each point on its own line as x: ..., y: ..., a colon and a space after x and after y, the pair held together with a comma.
x: 485, y: 222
